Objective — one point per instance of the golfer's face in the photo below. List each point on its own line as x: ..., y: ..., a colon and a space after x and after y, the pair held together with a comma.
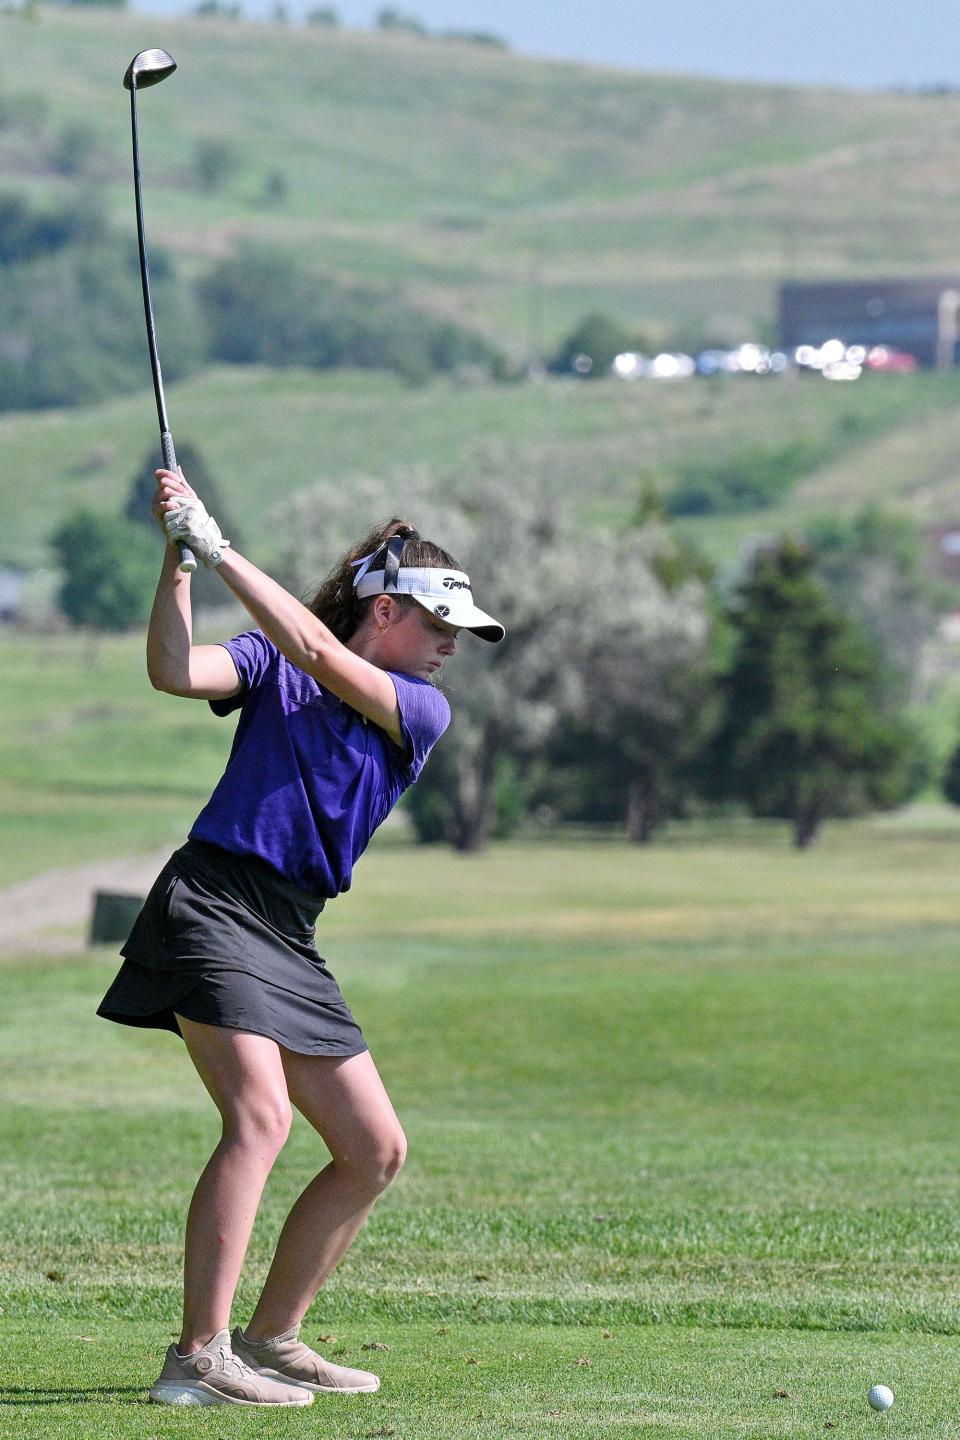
x: 419, y: 642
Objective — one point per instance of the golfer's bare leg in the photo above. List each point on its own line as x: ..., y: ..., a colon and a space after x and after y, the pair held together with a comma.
x: 346, y: 1102
x: 244, y: 1075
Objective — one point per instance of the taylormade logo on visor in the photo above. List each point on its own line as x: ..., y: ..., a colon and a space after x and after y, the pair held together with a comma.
x: 449, y: 583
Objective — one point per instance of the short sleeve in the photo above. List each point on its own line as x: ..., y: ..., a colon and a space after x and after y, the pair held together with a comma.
x: 424, y: 715
x: 254, y: 656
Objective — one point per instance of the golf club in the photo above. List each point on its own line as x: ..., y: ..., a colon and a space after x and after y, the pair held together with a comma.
x: 149, y: 68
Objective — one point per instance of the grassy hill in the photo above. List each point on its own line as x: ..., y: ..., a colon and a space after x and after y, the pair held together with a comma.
x: 267, y: 434
x: 510, y: 192
x: 514, y: 194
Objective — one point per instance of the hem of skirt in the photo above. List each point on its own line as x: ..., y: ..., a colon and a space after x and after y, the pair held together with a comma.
x: 327, y: 1053
x: 158, y: 1020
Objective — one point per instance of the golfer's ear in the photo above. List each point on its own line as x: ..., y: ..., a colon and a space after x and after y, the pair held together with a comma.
x: 382, y: 610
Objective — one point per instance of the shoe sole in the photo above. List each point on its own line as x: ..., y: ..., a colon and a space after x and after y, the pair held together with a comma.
x: 174, y: 1394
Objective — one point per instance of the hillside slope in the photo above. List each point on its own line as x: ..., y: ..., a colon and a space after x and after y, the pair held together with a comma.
x: 268, y: 434
x: 511, y: 192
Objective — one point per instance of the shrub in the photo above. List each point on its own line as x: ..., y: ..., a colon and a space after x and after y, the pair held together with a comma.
x: 110, y: 571
x: 951, y: 778
x: 74, y: 149
x: 71, y: 326
x: 390, y: 18
x: 597, y: 338
x: 26, y: 234
x: 752, y: 478
x: 265, y: 307
x: 214, y: 161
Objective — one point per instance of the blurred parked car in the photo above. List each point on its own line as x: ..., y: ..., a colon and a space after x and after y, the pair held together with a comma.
x: 716, y: 362
x: 885, y: 358
x: 671, y: 366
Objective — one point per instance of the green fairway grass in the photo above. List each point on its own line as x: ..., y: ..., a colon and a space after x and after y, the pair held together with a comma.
x: 686, y: 1113
x: 504, y: 1382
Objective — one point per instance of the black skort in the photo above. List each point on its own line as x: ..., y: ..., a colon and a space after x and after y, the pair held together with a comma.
x: 224, y: 940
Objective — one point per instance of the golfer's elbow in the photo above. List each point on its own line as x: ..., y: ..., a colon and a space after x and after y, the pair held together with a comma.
x: 168, y: 670
x: 169, y: 682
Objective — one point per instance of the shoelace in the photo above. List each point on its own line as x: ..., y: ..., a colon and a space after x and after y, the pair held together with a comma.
x: 233, y: 1362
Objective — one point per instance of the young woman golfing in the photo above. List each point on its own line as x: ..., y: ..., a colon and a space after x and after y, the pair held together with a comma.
x: 337, y: 716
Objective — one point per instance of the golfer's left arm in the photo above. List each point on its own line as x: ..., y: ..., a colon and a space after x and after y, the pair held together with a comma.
x: 296, y: 631
x: 306, y: 641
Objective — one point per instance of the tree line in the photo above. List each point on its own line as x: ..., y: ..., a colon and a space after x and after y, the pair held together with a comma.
x: 72, y: 322
x: 634, y: 686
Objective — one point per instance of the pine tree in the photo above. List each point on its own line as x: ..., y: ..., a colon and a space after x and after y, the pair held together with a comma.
x: 809, y: 729
x: 950, y: 784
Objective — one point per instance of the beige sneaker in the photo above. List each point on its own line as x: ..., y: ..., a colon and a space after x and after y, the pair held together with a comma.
x: 287, y: 1358
x: 215, y: 1376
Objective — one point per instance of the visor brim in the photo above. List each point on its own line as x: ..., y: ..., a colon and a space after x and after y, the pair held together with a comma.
x: 465, y: 615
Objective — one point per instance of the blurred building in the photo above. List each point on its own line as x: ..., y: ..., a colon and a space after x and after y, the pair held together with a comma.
x: 916, y: 316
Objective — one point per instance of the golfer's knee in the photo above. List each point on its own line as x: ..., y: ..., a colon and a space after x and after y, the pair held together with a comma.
x: 393, y: 1158
x: 375, y: 1164
x: 261, y: 1125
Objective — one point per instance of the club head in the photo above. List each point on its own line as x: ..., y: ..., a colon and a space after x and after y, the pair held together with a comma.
x: 148, y: 68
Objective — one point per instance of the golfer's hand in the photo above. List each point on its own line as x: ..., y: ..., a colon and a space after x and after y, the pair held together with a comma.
x: 186, y: 521
x: 170, y: 493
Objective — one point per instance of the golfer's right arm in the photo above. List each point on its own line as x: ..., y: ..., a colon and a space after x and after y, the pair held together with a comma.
x: 174, y: 664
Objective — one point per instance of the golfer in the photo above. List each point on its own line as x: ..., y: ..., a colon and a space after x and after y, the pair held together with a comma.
x: 338, y: 712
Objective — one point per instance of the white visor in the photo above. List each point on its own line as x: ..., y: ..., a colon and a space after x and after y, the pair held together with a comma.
x: 445, y: 593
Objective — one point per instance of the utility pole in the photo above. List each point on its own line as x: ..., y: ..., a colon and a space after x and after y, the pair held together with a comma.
x: 535, y: 361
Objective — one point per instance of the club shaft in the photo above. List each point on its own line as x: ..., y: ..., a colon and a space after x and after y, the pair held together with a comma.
x: 145, y: 271
x: 187, y: 560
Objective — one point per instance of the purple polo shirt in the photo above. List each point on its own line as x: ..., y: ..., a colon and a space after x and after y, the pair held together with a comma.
x: 309, y: 779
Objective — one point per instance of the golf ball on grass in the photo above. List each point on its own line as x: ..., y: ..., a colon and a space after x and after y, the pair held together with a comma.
x: 880, y: 1397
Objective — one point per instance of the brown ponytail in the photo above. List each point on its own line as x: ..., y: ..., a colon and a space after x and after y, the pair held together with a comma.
x: 336, y: 603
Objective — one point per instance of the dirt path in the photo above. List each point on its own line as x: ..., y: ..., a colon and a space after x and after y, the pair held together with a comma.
x: 51, y: 912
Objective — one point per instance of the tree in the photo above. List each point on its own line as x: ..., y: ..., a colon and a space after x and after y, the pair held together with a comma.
x: 951, y: 778
x: 653, y: 692
x: 475, y: 37
x: 109, y: 568
x: 264, y: 306
x: 567, y: 601
x: 390, y: 18
x: 71, y: 324
x: 26, y: 234
x: 276, y: 188
x: 750, y: 478
x: 217, y: 9
x: 592, y: 347
x: 77, y: 143
x: 214, y: 161
x: 522, y: 559
x: 875, y: 568
x: 809, y: 729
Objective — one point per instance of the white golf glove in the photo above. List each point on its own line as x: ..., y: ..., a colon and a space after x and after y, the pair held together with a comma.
x: 190, y: 525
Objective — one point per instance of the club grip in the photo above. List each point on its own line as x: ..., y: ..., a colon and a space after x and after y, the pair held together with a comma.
x: 188, y: 561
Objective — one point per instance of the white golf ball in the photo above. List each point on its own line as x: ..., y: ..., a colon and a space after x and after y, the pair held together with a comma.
x: 880, y: 1397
